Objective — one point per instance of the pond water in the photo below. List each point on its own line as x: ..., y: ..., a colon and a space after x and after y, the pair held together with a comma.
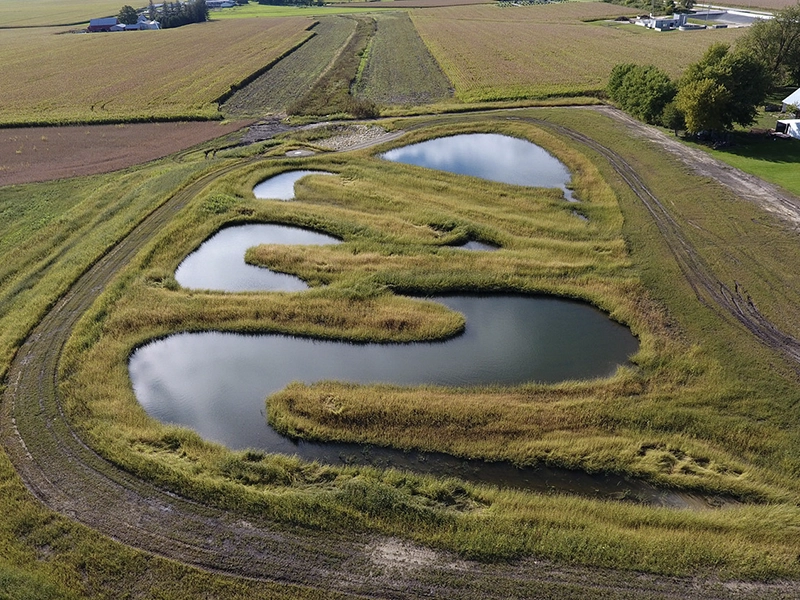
x: 478, y: 246
x: 218, y: 264
x: 491, y: 156
x: 281, y: 187
x: 216, y: 383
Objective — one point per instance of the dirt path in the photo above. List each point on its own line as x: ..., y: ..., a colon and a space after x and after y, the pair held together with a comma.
x: 71, y: 479
x: 767, y: 196
x: 730, y: 299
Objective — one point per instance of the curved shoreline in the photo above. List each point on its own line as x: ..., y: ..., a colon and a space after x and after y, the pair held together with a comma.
x: 70, y: 478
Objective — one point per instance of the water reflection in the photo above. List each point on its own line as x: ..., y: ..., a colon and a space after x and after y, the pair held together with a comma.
x: 216, y: 383
x: 281, y: 187
x: 218, y: 264
x: 490, y: 156
x: 478, y: 246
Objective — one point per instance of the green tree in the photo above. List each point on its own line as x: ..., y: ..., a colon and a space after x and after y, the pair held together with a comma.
x: 673, y: 118
x: 642, y: 91
x: 703, y: 103
x: 736, y: 83
x: 127, y: 15
x: 777, y: 43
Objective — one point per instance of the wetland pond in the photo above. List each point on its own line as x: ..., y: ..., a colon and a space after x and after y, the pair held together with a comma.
x: 218, y: 264
x: 216, y: 383
x: 491, y: 156
x: 281, y: 187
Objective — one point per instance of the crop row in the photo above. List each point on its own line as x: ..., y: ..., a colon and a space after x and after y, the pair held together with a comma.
x: 399, y: 68
x: 294, y: 75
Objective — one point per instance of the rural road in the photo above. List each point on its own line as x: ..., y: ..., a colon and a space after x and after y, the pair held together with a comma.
x: 71, y: 479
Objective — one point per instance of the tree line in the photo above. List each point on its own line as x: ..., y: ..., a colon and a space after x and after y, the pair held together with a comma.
x: 723, y: 89
x: 170, y: 14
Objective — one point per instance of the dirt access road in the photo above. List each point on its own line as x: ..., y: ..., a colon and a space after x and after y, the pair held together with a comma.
x: 71, y: 479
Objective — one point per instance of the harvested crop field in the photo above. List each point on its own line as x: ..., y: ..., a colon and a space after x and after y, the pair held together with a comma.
x: 294, y: 75
x: 395, y: 4
x: 763, y: 4
x: 493, y: 53
x: 399, y: 69
x: 48, y: 79
x: 44, y: 153
x: 36, y: 13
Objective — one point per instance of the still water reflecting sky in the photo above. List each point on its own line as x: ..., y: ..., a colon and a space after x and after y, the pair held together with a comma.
x: 490, y: 156
x: 218, y: 264
x: 281, y: 187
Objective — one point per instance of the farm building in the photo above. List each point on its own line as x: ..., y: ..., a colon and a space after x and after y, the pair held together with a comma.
x: 666, y: 23
x: 790, y: 127
x: 104, y: 24
x: 113, y: 24
x: 145, y: 23
x: 792, y: 99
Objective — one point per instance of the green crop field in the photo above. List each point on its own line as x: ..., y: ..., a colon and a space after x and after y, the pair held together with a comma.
x: 492, y: 53
x: 52, y: 77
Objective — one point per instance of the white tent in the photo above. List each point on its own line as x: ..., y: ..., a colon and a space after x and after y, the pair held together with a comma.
x: 789, y: 127
x: 793, y: 99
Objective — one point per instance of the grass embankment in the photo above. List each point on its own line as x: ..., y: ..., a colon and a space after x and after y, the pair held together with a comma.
x: 330, y: 94
x: 51, y: 79
x: 541, y: 51
x: 702, y: 409
x: 773, y: 160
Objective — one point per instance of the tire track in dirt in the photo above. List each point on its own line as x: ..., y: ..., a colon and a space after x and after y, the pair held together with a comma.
x: 712, y: 292
x: 71, y: 479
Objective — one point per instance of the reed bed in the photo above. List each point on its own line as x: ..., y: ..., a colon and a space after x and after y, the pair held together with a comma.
x: 657, y: 420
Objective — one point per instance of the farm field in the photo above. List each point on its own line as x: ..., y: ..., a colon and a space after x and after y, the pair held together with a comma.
x: 49, y: 78
x: 99, y: 500
x: 38, y: 13
x: 398, y: 68
x: 294, y: 75
x: 659, y: 420
x: 29, y: 154
x: 492, y: 53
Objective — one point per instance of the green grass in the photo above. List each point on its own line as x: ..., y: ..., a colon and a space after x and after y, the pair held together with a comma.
x: 49, y: 234
x: 330, y: 94
x: 774, y: 160
x: 295, y: 74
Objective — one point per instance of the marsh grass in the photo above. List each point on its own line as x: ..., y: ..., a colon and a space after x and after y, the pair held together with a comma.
x: 49, y: 234
x: 659, y: 420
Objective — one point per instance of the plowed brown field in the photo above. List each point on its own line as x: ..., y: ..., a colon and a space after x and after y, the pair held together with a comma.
x: 43, y: 153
